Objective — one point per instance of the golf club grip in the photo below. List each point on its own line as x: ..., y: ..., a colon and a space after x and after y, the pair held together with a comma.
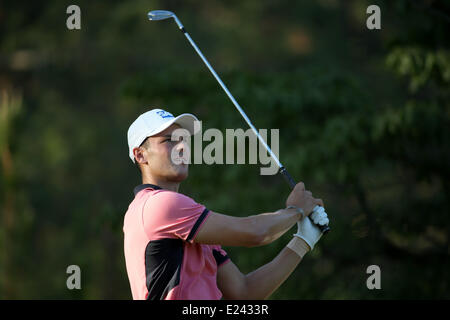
x: 325, y: 229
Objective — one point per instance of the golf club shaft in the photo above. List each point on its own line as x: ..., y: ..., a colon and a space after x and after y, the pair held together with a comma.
x: 238, y: 107
x: 283, y: 170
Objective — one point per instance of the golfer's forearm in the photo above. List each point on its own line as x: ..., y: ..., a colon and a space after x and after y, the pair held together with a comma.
x: 261, y: 283
x: 273, y: 225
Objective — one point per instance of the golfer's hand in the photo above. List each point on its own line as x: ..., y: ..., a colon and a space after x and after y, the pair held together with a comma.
x: 302, y: 198
x: 308, y: 231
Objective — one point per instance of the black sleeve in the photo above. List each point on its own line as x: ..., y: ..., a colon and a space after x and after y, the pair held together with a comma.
x: 197, y: 224
x: 220, y: 258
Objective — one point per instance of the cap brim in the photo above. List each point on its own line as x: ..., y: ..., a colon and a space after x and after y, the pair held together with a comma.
x: 185, y: 121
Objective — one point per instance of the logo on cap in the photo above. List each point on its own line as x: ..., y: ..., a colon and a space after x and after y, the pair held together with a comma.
x: 164, y: 114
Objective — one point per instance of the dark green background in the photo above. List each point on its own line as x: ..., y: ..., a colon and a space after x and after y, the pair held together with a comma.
x: 363, y: 118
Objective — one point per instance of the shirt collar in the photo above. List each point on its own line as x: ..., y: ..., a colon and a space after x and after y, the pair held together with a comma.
x: 145, y: 186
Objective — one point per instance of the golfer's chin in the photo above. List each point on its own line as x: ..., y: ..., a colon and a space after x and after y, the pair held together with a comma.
x: 180, y: 173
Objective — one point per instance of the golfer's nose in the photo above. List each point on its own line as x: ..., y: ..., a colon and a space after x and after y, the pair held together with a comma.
x: 181, y: 146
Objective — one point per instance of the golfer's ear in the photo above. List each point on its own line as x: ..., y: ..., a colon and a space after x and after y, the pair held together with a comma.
x: 229, y: 231
x: 139, y: 155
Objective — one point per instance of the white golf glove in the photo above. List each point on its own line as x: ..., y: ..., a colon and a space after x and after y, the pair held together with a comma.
x: 309, y: 232
x: 319, y: 216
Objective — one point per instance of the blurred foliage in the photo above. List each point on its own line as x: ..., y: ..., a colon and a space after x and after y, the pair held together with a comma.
x: 363, y: 118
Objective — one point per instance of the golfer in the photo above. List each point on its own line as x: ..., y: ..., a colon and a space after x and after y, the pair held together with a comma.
x: 173, y: 245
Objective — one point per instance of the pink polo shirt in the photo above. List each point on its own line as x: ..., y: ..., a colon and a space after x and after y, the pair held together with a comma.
x: 161, y: 258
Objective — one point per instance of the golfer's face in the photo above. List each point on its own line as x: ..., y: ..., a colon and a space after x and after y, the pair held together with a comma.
x: 167, y: 157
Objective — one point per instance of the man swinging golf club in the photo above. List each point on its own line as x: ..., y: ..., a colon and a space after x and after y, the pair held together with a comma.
x: 173, y: 244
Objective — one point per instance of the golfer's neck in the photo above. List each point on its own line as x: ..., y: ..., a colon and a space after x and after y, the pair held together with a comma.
x: 168, y: 185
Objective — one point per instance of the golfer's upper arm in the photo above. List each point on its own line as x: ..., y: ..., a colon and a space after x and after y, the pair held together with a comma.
x: 228, y: 231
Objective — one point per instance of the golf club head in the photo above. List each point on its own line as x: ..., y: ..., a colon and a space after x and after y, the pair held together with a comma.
x: 160, y: 15
x: 164, y: 14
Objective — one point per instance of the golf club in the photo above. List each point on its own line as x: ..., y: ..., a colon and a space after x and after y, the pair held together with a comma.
x: 162, y: 15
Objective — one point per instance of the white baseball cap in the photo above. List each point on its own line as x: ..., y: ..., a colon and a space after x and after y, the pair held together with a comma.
x: 153, y: 122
